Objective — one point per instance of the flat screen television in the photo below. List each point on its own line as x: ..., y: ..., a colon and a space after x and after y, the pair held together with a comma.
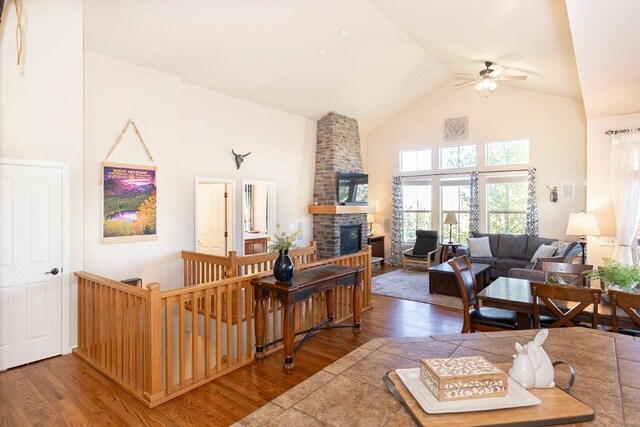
x: 352, y: 188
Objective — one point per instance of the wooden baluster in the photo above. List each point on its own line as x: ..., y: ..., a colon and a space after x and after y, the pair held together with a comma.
x: 207, y: 332
x: 181, y: 340
x: 229, y: 326
x: 168, y: 341
x: 194, y: 337
x: 218, y: 329
x: 153, y: 343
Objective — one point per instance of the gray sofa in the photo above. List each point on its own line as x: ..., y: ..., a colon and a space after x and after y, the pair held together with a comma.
x: 514, y: 251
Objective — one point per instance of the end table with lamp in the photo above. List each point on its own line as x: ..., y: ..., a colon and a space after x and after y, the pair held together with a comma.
x: 449, y: 248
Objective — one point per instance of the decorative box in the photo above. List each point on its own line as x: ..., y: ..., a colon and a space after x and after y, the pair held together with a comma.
x: 460, y: 378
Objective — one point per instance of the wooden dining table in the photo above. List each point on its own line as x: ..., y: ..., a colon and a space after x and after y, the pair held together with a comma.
x: 515, y: 294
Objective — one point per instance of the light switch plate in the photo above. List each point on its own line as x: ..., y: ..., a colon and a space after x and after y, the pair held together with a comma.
x: 607, y: 241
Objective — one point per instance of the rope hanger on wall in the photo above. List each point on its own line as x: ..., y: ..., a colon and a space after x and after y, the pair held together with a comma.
x: 130, y: 122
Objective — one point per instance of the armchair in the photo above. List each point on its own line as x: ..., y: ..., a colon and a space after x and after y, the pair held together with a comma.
x: 425, y: 249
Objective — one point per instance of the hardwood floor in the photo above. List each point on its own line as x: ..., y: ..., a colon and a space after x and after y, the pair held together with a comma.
x: 65, y: 391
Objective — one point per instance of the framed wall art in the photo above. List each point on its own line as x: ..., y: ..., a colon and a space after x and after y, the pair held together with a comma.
x: 456, y: 129
x: 128, y: 203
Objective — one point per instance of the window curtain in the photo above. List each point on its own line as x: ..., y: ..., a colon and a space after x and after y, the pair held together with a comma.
x: 531, y: 225
x: 474, y: 203
x: 397, y: 235
x: 625, y: 192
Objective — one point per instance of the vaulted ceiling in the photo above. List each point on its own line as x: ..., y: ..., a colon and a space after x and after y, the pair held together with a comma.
x: 366, y: 59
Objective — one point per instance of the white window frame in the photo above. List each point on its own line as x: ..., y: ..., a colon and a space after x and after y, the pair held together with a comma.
x: 443, y: 227
x: 508, y: 179
x: 418, y: 182
x: 486, y: 152
x: 470, y: 167
x: 415, y: 150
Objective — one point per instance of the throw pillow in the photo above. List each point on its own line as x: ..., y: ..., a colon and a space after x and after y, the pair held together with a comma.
x: 561, y: 247
x: 543, y: 251
x: 479, y: 247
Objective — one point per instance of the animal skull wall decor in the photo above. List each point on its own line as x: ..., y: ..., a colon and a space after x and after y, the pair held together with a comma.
x: 239, y: 158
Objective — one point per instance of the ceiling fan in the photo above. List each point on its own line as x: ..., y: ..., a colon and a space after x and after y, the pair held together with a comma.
x: 485, y: 81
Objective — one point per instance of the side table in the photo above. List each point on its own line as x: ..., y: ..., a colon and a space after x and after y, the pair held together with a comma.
x: 448, y: 251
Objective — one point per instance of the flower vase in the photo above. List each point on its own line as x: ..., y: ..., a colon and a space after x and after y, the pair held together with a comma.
x: 283, y: 267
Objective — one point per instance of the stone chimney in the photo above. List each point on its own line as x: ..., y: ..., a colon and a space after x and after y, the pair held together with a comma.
x: 337, y: 150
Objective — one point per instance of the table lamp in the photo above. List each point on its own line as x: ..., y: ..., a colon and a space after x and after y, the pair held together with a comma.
x: 450, y: 219
x: 583, y: 224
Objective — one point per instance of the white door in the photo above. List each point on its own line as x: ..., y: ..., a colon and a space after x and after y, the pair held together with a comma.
x: 30, y: 264
x: 212, y: 218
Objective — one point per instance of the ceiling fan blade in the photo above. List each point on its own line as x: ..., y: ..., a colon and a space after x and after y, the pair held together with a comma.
x: 462, y: 76
x: 465, y: 84
x: 511, y: 78
x: 497, y: 71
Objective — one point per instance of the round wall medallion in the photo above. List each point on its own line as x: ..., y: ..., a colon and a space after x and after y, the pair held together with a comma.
x: 456, y: 129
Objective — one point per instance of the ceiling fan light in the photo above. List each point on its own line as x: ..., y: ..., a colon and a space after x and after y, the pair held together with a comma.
x: 492, y: 85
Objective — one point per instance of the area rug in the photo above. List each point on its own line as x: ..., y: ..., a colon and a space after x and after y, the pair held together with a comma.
x: 411, y: 285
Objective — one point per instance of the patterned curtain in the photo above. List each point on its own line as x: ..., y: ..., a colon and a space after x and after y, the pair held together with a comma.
x: 398, y: 225
x: 531, y: 226
x: 474, y: 204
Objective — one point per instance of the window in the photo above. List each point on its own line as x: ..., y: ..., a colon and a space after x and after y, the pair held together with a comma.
x: 507, y: 205
x: 455, y: 197
x: 415, y: 160
x: 416, y: 208
x: 508, y: 152
x: 460, y: 156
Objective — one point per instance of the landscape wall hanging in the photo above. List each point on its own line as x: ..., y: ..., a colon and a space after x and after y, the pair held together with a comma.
x: 129, y: 203
x: 129, y: 210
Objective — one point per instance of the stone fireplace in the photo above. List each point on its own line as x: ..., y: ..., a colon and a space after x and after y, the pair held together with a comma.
x: 337, y: 150
x: 350, y: 239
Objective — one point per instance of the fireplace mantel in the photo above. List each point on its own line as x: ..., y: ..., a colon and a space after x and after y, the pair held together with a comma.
x: 341, y: 209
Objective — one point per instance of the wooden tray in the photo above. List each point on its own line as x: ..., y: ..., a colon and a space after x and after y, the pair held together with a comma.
x: 557, y: 407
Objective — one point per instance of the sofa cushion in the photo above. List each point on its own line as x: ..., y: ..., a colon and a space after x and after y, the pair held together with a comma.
x: 512, y: 246
x: 509, y: 263
x: 534, y: 242
x: 493, y: 241
x: 544, y: 251
x: 479, y: 247
x: 483, y: 260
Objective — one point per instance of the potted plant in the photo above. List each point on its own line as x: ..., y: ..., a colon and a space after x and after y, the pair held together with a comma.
x: 615, y: 275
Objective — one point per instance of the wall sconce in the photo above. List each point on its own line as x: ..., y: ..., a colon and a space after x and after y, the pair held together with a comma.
x: 553, y: 194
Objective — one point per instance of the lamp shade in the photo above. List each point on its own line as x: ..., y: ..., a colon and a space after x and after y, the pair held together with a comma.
x: 583, y: 224
x: 451, y: 218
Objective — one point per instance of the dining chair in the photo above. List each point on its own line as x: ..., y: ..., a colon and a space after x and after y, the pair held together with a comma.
x: 549, y: 293
x: 566, y: 273
x: 424, y: 249
x: 476, y: 318
x: 630, y: 304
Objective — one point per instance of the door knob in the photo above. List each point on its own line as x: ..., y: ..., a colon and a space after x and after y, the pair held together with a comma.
x: 53, y: 271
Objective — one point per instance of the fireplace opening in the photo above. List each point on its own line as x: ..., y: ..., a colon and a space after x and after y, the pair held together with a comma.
x: 350, y: 239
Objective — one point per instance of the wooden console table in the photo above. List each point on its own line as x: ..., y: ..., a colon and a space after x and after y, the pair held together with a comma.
x: 304, y: 284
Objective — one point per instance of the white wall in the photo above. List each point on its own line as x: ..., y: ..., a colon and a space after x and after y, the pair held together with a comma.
x: 41, y: 103
x: 555, y: 126
x: 190, y: 132
x: 599, y: 179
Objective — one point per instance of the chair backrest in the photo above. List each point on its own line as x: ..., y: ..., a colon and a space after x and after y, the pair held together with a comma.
x: 628, y: 302
x: 468, y: 286
x: 566, y: 274
x: 550, y: 292
x: 466, y: 280
x: 426, y: 241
